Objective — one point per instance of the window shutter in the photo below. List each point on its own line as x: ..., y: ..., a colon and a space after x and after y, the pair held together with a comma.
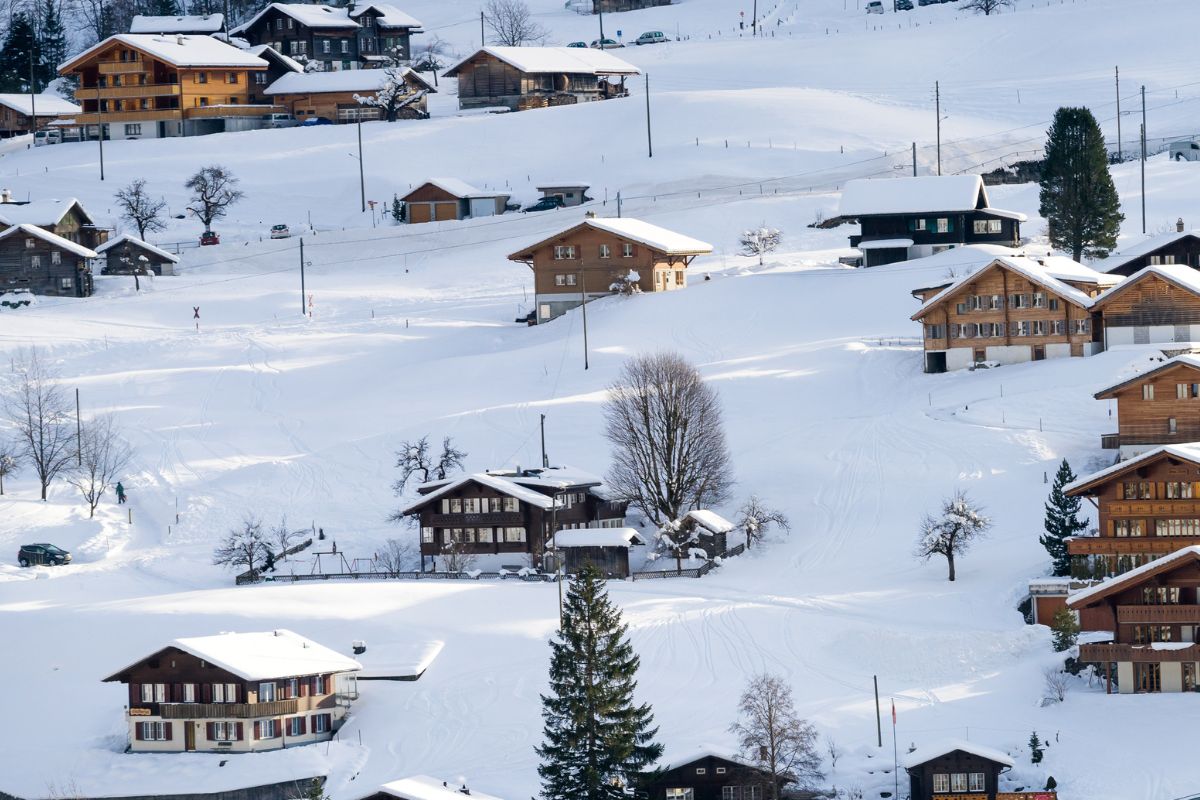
x: 238, y: 732
x: 176, y: 692
x: 313, y: 721
x: 167, y: 728
x: 206, y: 692
x: 302, y: 730
x: 257, y: 730
x: 135, y: 693
x: 210, y: 732
x: 139, y: 731
x: 231, y: 693
x: 303, y: 687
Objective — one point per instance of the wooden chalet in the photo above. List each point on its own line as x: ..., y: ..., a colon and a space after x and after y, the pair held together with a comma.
x: 1158, y: 406
x: 423, y: 787
x: 905, y: 218
x: 606, y: 549
x: 188, y: 24
x: 278, y: 65
x: 129, y: 255
x: 613, y: 6
x: 21, y: 114
x: 961, y: 770
x: 509, y: 514
x: 35, y: 260
x: 147, y: 86
x: 1145, y: 625
x: 1148, y: 507
x: 520, y: 78
x: 704, y: 529
x: 594, y: 257
x: 571, y: 194
x: 237, y: 693
x: 708, y: 774
x: 444, y: 199
x: 333, y: 95
x: 66, y: 218
x: 1178, y: 247
x: 1157, y: 304
x: 1012, y: 310
x: 360, y: 36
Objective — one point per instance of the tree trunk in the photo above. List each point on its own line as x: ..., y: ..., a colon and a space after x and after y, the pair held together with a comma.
x: 950, y: 564
x: 45, y: 484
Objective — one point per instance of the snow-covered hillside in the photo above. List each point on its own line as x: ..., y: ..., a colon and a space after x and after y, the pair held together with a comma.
x: 828, y: 414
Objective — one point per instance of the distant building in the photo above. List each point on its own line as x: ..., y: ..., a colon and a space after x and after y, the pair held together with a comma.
x: 1014, y: 309
x: 959, y: 769
x: 520, y: 78
x: 332, y: 95
x: 126, y: 254
x: 1157, y: 304
x: 571, y: 194
x: 1158, y: 406
x: 195, y: 24
x: 706, y: 530
x: 708, y: 773
x: 1178, y: 247
x: 1145, y: 633
x: 606, y: 549
x: 236, y: 692
x: 444, y: 199
x: 34, y: 260
x: 66, y: 218
x: 906, y: 218
x: 278, y: 65
x: 613, y: 6
x: 423, y: 787
x: 590, y: 259
x: 17, y: 112
x: 360, y: 36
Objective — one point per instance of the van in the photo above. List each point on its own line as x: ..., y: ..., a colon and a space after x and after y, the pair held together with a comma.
x: 47, y: 137
x: 652, y: 37
x: 1185, y: 151
x: 875, y: 7
x: 281, y: 121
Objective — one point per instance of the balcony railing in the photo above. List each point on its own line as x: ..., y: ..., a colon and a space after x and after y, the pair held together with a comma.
x: 1133, y: 545
x: 1137, y: 653
x: 131, y: 91
x: 121, y: 67
x: 1165, y: 614
x: 503, y: 518
x: 274, y: 708
x: 215, y: 112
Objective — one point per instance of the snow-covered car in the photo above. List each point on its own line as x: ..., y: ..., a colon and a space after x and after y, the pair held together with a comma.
x: 875, y: 7
x: 42, y: 554
x: 1185, y: 151
x: 280, y: 232
x: 606, y: 44
x: 577, y: 44
x: 209, y: 237
x: 652, y: 37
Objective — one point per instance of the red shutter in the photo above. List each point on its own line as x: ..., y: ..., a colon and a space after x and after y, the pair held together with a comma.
x: 316, y: 684
x: 239, y: 732
x: 135, y: 693
x: 328, y: 721
x: 206, y: 692
x: 210, y: 731
x: 302, y: 730
x: 313, y: 722
x: 286, y: 690
x: 167, y: 728
x: 304, y: 687
x: 257, y: 731
x: 139, y: 731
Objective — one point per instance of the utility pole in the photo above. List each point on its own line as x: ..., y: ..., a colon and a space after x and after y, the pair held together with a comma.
x: 1120, y: 152
x: 545, y: 459
x: 600, y: 6
x: 583, y: 295
x: 618, y: 204
x: 754, y: 19
x: 32, y: 94
x: 100, y: 130
x: 1143, y: 177
x: 302, y: 312
x: 78, y: 431
x: 362, y: 180
x: 649, y: 140
x: 878, y: 723
x: 914, y: 151
x: 937, y: 99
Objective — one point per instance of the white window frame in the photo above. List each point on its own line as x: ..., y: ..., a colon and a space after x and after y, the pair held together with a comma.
x: 514, y: 535
x: 55, y: 257
x: 321, y: 723
x: 626, y: 250
x: 680, y: 793
x: 605, y: 251
x: 189, y: 692
x: 511, y: 505
x: 266, y: 692
x: 977, y: 782
x: 293, y: 724
x: 426, y: 535
x: 958, y: 781
x: 941, y: 782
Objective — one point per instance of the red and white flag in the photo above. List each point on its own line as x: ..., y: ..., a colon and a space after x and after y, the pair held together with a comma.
x: 893, y: 713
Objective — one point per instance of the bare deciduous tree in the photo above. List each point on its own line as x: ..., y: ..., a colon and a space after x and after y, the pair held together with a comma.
x: 137, y: 207
x: 10, y: 460
x: 430, y: 56
x: 986, y: 7
x: 760, y: 241
x: 834, y: 752
x: 103, y: 456
x: 396, y: 556
x: 416, y: 460
x: 395, y: 94
x: 214, y: 190
x: 664, y: 425
x: 512, y: 23
x: 773, y: 737
x: 755, y: 519
x: 41, y: 412
x: 950, y: 534
x: 1057, y: 682
x: 455, y: 558
x: 244, y: 547
x: 283, y: 537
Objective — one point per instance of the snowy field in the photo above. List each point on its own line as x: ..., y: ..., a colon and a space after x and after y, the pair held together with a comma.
x: 819, y: 369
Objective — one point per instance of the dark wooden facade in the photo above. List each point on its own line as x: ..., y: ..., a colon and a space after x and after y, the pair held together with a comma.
x: 978, y: 777
x: 41, y: 265
x: 1183, y: 250
x: 936, y: 230
x: 1160, y: 406
x: 1154, y: 615
x: 613, y: 6
x: 707, y: 777
x: 129, y: 256
x: 349, y: 41
x: 484, y: 80
x: 72, y: 223
x: 1157, y: 304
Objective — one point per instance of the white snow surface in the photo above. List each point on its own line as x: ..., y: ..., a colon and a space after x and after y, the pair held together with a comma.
x: 423, y: 787
x: 193, y: 23
x: 312, y: 15
x: 710, y: 520
x: 45, y: 105
x: 121, y: 238
x: 502, y: 485
x: 390, y: 15
x: 653, y: 236
x: 598, y: 537
x: 913, y: 195
x: 928, y: 752
x: 883, y: 244
x: 399, y: 659
x: 346, y: 80
x: 1147, y: 245
x: 180, y: 50
x: 459, y: 188
x: 37, y: 212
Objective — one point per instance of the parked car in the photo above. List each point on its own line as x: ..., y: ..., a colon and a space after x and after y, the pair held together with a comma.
x: 280, y: 232
x: 209, y: 237
x: 904, y: 5
x: 928, y: 2
x: 43, y: 554
x: 1185, y: 151
x: 545, y: 204
x: 281, y: 121
x: 606, y: 44
x: 875, y: 7
x: 528, y: 319
x: 577, y: 44
x: 652, y: 37
x: 42, y: 138
x: 310, y: 121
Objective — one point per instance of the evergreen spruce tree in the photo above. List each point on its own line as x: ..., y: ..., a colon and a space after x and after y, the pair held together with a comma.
x: 596, y: 739
x: 1064, y: 630
x: 1035, y: 749
x: 162, y: 8
x: 20, y: 40
x: 52, y: 44
x: 1078, y: 198
x: 1062, y: 520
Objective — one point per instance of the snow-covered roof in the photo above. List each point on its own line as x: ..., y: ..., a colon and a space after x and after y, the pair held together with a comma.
x: 423, y: 787
x: 709, y: 520
x: 400, y: 660
x: 870, y: 196
x: 1187, y: 452
x: 502, y: 485
x: 346, y: 80
x: 1125, y: 579
x: 310, y: 15
x: 1144, y: 247
x: 1181, y: 275
x: 884, y: 244
x: 544, y: 185
x: 389, y: 15
x: 675, y: 760
x: 570, y: 60
x: 934, y: 750
x: 262, y: 655
x: 598, y: 537
x: 265, y: 51
x: 47, y: 105
x: 178, y: 50
x: 49, y: 238
x: 1185, y: 360
x: 136, y: 242
x: 653, y: 236
x: 1070, y: 270
x: 206, y: 23
x: 458, y: 188
x: 560, y: 477
x: 1026, y: 268
x: 40, y: 212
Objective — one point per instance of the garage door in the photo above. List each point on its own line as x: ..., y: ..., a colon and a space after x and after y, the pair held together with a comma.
x: 445, y: 211
x: 419, y: 212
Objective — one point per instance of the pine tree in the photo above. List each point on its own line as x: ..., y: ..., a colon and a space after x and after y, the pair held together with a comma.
x: 19, y: 42
x: 1035, y: 749
x: 1065, y: 630
x: 596, y: 739
x: 162, y: 8
x: 1078, y: 198
x: 1062, y: 520
x: 52, y: 44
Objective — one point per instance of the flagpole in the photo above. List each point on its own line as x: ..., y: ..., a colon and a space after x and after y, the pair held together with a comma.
x: 895, y: 753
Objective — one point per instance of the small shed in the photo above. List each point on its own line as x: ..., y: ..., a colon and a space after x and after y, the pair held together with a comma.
x: 440, y: 199
x: 708, y: 530
x: 957, y: 768
x: 607, y: 549
x: 124, y: 254
x: 571, y: 194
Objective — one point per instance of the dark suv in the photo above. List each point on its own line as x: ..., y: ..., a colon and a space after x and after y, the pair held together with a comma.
x: 43, y: 554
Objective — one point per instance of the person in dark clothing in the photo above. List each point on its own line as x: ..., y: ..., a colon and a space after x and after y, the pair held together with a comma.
x: 120, y: 493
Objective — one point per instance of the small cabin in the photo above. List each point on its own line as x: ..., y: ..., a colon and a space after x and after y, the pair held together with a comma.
x: 708, y: 773
x: 19, y: 111
x: 334, y: 95
x: 1180, y: 246
x: 445, y: 199
x: 606, y: 549
x: 520, y: 78
x: 1157, y: 304
x: 571, y: 194
x: 35, y: 260
x: 706, y: 530
x: 956, y: 769
x: 129, y: 255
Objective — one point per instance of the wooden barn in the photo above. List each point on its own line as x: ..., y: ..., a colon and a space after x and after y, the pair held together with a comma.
x: 66, y: 218
x: 444, y: 199
x: 709, y: 773
x: 41, y: 262
x: 571, y: 194
x: 1160, y: 405
x: 332, y: 95
x: 959, y: 769
x: 706, y: 530
x: 606, y: 549
x: 127, y: 255
x: 614, y: 6
x: 1159, y: 303
x: 520, y: 78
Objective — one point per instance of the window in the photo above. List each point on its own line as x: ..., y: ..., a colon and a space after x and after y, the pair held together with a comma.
x: 293, y: 687
x: 291, y: 23
x: 133, y: 129
x: 935, y: 332
x: 1160, y: 595
x: 345, y: 45
x: 1136, y: 490
x: 266, y: 692
x: 35, y: 262
x: 426, y: 535
x: 1128, y: 527
x: 1052, y: 304
x: 1145, y: 634
x: 626, y: 250
x: 260, y: 79
x: 368, y: 22
x: 189, y: 692
x: 201, y: 77
x: 218, y: 693
x: 995, y: 226
x: 295, y: 726
x: 701, y: 771
x: 1172, y: 426
x: 279, y: 24
x: 720, y: 770
x: 918, y: 224
x: 941, y: 783
x: 943, y: 225
x: 511, y: 505
x: 1039, y: 327
x: 470, y: 505
x: 154, y: 731
x: 1148, y: 391
x: 1083, y: 325
x: 679, y: 277
x: 326, y: 46
x: 484, y: 536
x: 1176, y: 527
x: 1039, y: 299
x: 455, y: 505
x: 1058, y: 327
x: 320, y: 723
x: 514, y: 534
x: 1021, y: 328
x: 980, y: 226
x: 154, y: 692
x: 564, y: 252
x: 320, y: 684
x: 605, y: 251
x: 996, y: 302
x: 976, y: 782
x: 233, y: 77
x: 30, y: 244
x: 680, y: 794
x: 267, y: 728
x: 958, y: 781
x: 222, y: 732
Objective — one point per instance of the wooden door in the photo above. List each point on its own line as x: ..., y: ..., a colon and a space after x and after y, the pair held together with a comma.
x: 444, y: 211
x: 189, y: 736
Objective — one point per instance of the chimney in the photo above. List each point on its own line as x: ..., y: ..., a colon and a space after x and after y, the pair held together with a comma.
x: 358, y: 646
x: 1179, y: 225
x: 179, y: 39
x: 6, y: 196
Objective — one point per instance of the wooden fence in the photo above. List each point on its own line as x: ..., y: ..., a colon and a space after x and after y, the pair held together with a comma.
x: 694, y: 572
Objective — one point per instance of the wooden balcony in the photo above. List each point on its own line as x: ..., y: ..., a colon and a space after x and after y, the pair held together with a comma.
x: 218, y: 112
x: 133, y: 91
x: 498, y: 518
x: 121, y: 67
x: 114, y: 117
x: 1138, y: 653
x: 1159, y: 615
x: 1133, y: 545
x: 275, y: 708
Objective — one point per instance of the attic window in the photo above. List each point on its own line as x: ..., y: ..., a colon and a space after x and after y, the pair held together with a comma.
x: 720, y: 770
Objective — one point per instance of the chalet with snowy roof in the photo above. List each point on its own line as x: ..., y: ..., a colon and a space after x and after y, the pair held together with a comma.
x: 194, y: 24
x: 1177, y: 247
x: 444, y: 199
x: 520, y: 78
x: 1148, y: 507
x: 600, y: 256
x: 18, y: 112
x: 423, y: 787
x: 704, y: 529
x: 707, y: 773
x: 278, y: 65
x: 906, y: 218
x: 1157, y: 406
x: 960, y: 769
x: 1012, y: 310
x: 1146, y: 621
x: 334, y: 95
x: 359, y: 36
x: 37, y: 261
x: 1156, y: 304
x: 129, y: 255
x: 66, y: 218
x: 237, y: 693
x: 509, y: 514
x: 146, y: 86
x: 606, y: 549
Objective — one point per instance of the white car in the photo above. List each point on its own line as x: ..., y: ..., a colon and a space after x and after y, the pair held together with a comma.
x: 280, y: 232
x: 42, y: 138
x: 652, y: 37
x: 1185, y: 151
x: 875, y: 7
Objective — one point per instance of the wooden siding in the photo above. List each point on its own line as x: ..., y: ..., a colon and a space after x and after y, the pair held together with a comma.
x: 1185, y: 250
x: 612, y: 561
x: 706, y: 776
x: 33, y: 268
x: 1150, y: 301
x: 123, y: 258
x: 428, y: 193
x: 485, y: 80
x: 958, y: 762
x: 657, y: 271
x: 1141, y: 421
